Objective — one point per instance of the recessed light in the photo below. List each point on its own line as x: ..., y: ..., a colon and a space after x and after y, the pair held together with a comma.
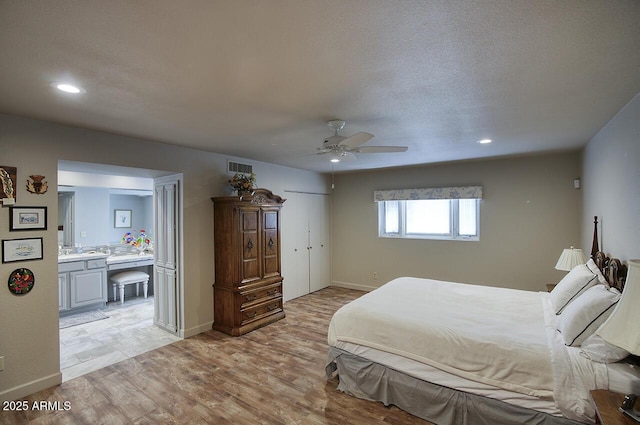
x: 485, y: 141
x: 68, y: 88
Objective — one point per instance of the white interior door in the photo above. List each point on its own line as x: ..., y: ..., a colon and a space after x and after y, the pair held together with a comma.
x: 167, y: 252
x: 305, y: 244
x: 294, y: 252
x: 319, y: 240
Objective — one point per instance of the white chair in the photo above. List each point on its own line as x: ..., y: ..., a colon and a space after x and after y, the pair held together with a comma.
x: 127, y: 278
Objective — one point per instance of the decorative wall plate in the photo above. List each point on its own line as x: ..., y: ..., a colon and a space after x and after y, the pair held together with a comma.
x: 37, y: 184
x: 21, y: 281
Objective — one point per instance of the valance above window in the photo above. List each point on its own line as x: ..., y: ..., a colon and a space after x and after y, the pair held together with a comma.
x: 462, y: 192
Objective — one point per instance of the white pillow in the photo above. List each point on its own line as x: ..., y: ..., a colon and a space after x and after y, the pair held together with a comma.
x: 599, y: 350
x: 573, y: 284
x: 586, y: 313
x: 591, y: 265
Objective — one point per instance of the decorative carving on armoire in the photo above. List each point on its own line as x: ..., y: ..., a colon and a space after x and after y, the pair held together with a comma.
x: 259, y: 199
x: 248, y: 286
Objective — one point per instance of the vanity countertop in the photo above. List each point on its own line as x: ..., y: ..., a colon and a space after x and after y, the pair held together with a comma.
x: 67, y: 258
x: 111, y: 259
x: 129, y: 258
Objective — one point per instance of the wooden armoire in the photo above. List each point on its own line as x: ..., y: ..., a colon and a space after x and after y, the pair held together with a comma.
x: 247, y: 292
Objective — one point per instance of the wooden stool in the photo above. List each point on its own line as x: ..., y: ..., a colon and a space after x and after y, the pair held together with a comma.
x: 127, y: 278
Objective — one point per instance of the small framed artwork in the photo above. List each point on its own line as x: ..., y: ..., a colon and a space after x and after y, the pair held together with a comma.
x: 27, y: 218
x: 21, y: 249
x: 122, y: 218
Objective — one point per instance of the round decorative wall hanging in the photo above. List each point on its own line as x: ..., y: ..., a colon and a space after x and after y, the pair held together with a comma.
x: 21, y: 281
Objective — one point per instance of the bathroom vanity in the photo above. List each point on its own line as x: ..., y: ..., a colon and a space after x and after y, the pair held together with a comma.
x: 82, y: 281
x: 83, y: 278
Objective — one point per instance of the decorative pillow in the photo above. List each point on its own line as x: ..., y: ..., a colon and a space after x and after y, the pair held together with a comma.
x: 573, y: 284
x: 585, y: 314
x: 599, y: 350
x: 591, y: 265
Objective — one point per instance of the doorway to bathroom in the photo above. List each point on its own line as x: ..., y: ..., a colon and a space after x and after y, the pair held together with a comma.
x: 114, y: 219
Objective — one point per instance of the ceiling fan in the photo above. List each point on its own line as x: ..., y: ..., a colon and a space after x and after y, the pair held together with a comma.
x: 344, y: 148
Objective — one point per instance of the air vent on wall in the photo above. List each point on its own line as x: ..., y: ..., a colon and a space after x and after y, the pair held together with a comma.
x: 236, y: 167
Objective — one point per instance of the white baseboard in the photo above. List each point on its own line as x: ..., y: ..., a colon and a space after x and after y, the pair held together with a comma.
x: 186, y: 333
x: 356, y: 286
x: 31, y: 387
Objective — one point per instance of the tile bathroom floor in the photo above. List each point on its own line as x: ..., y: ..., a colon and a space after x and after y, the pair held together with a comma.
x: 127, y: 332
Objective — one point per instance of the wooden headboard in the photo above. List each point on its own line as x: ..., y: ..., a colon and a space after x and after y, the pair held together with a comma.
x: 613, y: 270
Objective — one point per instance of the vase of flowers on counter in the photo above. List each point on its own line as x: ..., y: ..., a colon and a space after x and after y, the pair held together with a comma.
x: 141, y: 241
x: 243, y: 182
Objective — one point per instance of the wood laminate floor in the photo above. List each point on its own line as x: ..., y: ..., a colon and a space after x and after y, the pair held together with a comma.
x: 273, y: 375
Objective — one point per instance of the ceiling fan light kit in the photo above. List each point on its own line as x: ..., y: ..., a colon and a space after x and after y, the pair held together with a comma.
x: 336, y: 125
x: 341, y: 147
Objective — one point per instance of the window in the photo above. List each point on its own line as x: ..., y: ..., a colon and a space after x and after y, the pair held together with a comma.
x: 440, y: 213
x: 429, y: 219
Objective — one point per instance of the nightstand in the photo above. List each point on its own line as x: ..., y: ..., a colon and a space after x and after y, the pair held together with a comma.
x: 607, y: 413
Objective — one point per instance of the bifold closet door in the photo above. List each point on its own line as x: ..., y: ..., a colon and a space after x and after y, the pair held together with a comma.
x: 319, y: 237
x: 295, y: 243
x: 305, y: 244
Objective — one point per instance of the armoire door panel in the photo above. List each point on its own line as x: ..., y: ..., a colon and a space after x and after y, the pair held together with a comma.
x: 250, y: 270
x: 249, y: 245
x: 271, y: 266
x: 271, y: 245
x: 271, y: 220
x: 249, y: 220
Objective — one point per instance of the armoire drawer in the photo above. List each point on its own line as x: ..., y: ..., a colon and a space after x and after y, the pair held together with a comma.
x: 261, y: 294
x: 261, y: 310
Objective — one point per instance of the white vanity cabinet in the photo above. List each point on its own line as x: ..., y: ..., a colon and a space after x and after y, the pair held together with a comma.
x: 82, y: 283
x: 63, y: 291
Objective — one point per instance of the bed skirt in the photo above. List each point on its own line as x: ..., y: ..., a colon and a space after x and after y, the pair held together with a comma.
x: 368, y: 380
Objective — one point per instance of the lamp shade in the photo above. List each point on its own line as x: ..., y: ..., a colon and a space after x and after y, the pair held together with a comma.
x: 622, y: 328
x: 570, y: 258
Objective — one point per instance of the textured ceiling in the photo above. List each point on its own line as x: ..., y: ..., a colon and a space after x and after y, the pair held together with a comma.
x: 258, y: 79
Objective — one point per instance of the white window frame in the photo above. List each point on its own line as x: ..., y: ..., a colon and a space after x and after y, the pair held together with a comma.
x: 454, y: 223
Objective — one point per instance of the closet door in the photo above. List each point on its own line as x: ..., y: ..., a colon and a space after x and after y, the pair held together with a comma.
x: 295, y: 244
x: 319, y: 241
x: 306, y: 244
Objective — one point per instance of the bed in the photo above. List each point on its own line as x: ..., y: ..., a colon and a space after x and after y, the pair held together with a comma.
x: 497, y: 359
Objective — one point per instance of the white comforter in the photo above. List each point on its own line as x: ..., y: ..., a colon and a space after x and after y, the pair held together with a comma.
x: 495, y: 336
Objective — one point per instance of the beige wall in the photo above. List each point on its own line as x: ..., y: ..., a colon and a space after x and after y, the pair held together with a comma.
x: 29, y: 335
x: 529, y: 213
x: 611, y: 163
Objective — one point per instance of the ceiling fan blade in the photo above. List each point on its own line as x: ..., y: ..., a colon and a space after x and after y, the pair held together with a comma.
x: 347, y: 156
x: 379, y: 149
x: 357, y: 139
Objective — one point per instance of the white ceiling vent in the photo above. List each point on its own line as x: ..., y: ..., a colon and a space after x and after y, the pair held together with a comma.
x: 237, y: 167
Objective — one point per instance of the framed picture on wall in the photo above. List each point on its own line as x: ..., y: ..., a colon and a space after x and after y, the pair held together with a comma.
x: 21, y: 250
x: 8, y: 182
x: 27, y: 218
x: 122, y: 218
